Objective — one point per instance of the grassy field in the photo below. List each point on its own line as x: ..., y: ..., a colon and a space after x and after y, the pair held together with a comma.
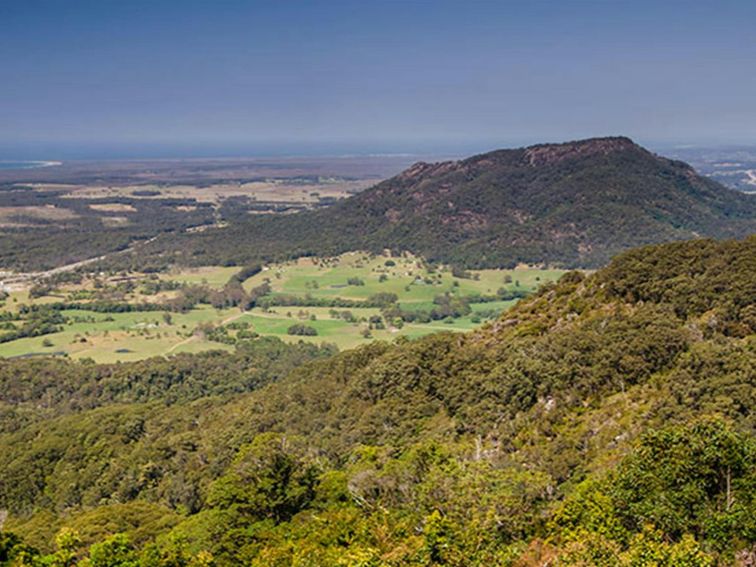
x: 406, y: 278
x: 213, y: 276
x: 110, y: 337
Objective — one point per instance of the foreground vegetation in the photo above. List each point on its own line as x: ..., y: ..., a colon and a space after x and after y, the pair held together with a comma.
x: 606, y: 421
x: 346, y: 300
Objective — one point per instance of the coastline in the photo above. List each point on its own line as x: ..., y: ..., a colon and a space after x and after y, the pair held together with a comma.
x: 27, y: 164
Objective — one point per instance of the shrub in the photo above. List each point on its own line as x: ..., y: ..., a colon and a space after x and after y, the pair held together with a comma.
x: 302, y: 330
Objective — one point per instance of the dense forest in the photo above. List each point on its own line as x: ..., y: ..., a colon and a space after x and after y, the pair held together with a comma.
x: 569, y: 205
x: 607, y: 420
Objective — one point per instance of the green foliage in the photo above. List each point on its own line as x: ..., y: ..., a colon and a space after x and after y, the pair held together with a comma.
x: 67, y: 386
x: 68, y: 547
x: 696, y: 480
x: 41, y: 322
x: 269, y: 479
x: 10, y: 545
x: 650, y: 548
x: 694, y: 278
x: 303, y: 330
x: 114, y: 551
x: 683, y: 490
x: 592, y: 424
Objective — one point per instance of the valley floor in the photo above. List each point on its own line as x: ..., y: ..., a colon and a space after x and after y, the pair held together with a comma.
x: 335, y: 297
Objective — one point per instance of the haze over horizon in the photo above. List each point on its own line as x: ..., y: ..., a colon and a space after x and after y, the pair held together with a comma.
x: 173, y: 79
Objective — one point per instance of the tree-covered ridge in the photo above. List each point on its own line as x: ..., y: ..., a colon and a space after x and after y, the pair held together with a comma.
x: 53, y: 386
x: 575, y: 205
x: 606, y: 421
x: 708, y: 278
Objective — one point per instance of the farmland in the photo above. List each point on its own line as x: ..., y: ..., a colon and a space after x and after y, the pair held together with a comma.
x: 333, y: 300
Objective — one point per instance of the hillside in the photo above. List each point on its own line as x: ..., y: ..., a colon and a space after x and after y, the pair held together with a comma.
x: 573, y: 205
x: 606, y: 421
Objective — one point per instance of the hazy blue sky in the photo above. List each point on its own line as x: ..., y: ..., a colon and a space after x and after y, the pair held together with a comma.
x: 249, y: 77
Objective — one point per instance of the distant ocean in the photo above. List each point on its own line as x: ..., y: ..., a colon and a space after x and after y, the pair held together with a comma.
x: 26, y: 164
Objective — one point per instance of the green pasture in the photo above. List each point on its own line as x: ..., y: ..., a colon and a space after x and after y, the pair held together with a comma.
x: 408, y: 279
x: 213, y: 276
x: 111, y: 337
x: 337, y: 331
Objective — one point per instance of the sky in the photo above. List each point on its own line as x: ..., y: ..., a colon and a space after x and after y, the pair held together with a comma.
x: 124, y: 78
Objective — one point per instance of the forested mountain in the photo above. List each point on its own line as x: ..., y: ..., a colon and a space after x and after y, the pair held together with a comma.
x: 608, y: 420
x: 574, y: 204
